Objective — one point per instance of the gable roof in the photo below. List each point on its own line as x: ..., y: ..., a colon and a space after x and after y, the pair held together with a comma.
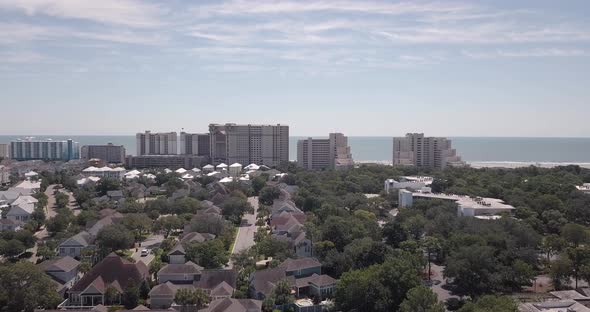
x: 64, y: 264
x: 290, y: 265
x: 233, y: 305
x: 212, y: 278
x: 264, y: 281
x: 83, y: 239
x: 196, y: 237
x: 23, y: 209
x: 184, y: 268
x: 114, y: 271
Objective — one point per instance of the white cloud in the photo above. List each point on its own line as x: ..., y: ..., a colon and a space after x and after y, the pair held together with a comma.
x: 131, y: 13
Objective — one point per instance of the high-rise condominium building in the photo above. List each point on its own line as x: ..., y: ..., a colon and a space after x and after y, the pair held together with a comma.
x: 157, y: 143
x: 424, y: 152
x: 246, y: 144
x: 114, y: 154
x: 31, y: 149
x: 195, y: 144
x: 4, y: 151
x: 320, y: 154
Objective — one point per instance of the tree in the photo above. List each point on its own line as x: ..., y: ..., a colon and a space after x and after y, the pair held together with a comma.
x: 268, y: 194
x: 431, y: 246
x: 259, y: 183
x: 281, y: 293
x: 144, y: 289
x: 551, y: 245
x: 491, y: 304
x: 560, y: 272
x: 421, y: 299
x: 12, y: 248
x: 210, y: 254
x: 45, y: 252
x: 130, y: 297
x: 107, y: 184
x: 114, y: 237
x: 138, y: 223
x: 234, y: 209
x: 38, y: 216
x: 575, y: 234
x: 62, y: 200
x: 25, y: 287
x: 474, y: 270
x: 111, y: 296
x: 191, y: 300
x: 168, y: 224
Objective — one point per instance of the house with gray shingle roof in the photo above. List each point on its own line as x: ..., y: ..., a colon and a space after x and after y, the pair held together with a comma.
x: 234, y: 305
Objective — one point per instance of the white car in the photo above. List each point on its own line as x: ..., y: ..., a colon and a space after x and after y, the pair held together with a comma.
x: 145, y: 252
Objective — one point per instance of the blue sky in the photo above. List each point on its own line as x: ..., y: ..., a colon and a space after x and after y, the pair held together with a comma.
x: 375, y: 67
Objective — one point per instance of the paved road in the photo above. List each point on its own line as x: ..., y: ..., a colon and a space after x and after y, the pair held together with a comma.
x: 437, y: 274
x: 150, y: 243
x: 245, y: 237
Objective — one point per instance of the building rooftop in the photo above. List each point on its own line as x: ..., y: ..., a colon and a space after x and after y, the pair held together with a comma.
x: 465, y: 201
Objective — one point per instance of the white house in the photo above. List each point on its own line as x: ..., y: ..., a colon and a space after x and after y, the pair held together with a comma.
x: 22, y: 208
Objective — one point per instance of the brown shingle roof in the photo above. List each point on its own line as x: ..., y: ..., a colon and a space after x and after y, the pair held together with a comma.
x: 290, y: 265
x: 113, y: 270
x: 234, y: 305
x: 185, y: 268
x: 212, y: 278
x: 65, y: 264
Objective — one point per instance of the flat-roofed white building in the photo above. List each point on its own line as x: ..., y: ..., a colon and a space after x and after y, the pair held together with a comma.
x: 415, y: 183
x: 105, y: 172
x: 467, y: 206
x: 585, y: 188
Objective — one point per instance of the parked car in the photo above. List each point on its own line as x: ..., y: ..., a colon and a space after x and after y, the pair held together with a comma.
x: 145, y: 252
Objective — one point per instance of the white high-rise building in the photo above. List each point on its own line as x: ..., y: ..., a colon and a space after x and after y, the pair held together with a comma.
x: 149, y: 143
x: 4, y: 150
x: 246, y: 144
x: 320, y: 154
x: 32, y: 149
x: 424, y: 152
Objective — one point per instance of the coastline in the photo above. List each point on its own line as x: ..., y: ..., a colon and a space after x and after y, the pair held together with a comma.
x: 499, y: 164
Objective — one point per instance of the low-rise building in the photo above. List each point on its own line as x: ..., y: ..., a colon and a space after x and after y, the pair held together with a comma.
x: 415, y: 183
x: 63, y: 270
x: 233, y: 305
x: 467, y: 206
x: 585, y: 188
x: 105, y: 172
x: 165, y: 161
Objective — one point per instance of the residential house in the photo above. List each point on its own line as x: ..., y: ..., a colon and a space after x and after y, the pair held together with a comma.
x: 64, y: 271
x: 303, y: 274
x: 22, y: 208
x: 116, y: 195
x: 234, y: 305
x: 74, y: 245
x: 112, y: 272
x: 185, y: 273
x: 217, y: 284
x: 31, y: 186
x: 178, y: 255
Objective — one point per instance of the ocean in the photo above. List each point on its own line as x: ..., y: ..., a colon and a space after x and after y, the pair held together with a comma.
x: 479, y: 151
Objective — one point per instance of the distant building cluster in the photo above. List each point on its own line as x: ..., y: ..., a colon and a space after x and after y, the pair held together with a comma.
x: 424, y: 152
x: 322, y: 154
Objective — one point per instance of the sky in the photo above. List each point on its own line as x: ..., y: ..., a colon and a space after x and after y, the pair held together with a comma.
x: 364, y: 68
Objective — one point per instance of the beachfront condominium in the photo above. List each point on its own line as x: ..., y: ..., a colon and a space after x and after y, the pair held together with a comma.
x: 245, y: 144
x: 149, y: 143
x: 424, y: 152
x: 31, y: 149
x: 195, y: 144
x: 4, y: 151
x: 110, y: 153
x: 321, y: 154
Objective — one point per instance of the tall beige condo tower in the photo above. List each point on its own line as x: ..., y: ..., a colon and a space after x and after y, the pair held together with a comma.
x: 321, y: 154
x: 149, y: 143
x: 424, y: 152
x: 245, y: 144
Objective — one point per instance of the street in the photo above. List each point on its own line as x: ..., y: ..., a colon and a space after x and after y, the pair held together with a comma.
x: 245, y: 236
x: 150, y: 243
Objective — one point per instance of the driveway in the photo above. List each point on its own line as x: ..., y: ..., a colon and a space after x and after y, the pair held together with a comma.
x: 245, y: 236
